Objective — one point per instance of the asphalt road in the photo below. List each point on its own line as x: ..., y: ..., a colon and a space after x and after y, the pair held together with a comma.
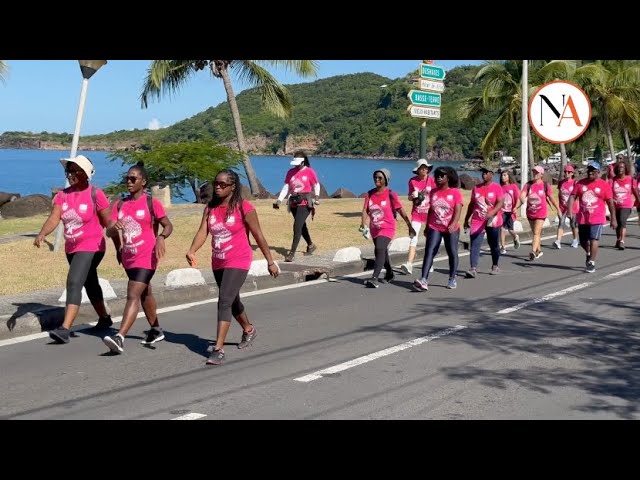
x: 542, y: 340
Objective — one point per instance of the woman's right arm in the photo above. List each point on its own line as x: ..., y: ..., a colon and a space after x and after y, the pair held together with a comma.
x: 200, y: 237
x: 49, y: 225
x: 365, y: 215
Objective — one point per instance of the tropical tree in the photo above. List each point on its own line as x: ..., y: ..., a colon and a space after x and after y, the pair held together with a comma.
x: 4, y: 70
x: 613, y: 85
x: 178, y: 164
x: 167, y: 76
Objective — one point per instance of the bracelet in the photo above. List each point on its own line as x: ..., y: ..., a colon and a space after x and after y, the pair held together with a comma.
x: 162, y: 235
x: 270, y: 264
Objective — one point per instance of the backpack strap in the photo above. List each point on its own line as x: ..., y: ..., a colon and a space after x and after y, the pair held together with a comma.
x: 152, y: 214
x: 94, y: 200
x: 246, y: 227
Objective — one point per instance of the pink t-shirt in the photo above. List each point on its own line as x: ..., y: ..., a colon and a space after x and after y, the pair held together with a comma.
x: 536, y: 200
x: 592, y: 197
x: 82, y: 229
x: 380, y: 207
x: 301, y: 181
x: 621, y: 190
x: 483, y: 199
x: 419, y: 212
x: 443, y: 203
x: 229, y: 243
x: 138, y: 250
x: 511, y: 194
x: 565, y: 187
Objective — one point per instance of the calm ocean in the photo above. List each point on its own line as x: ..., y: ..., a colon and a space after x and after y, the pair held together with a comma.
x: 37, y: 171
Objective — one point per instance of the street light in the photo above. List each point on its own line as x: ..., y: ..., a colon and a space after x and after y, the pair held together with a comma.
x: 87, y: 68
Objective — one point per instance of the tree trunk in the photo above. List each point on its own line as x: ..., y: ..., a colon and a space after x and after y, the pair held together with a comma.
x: 195, y: 189
x: 242, y: 147
x: 563, y: 160
x: 607, y: 128
x: 632, y: 165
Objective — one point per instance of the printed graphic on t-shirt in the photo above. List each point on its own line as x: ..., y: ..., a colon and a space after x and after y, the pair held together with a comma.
x: 442, y: 211
x: 535, y: 200
x: 131, y: 231
x: 376, y: 213
x: 589, y: 200
x: 72, y: 222
x: 221, y: 235
x: 621, y: 192
x: 297, y: 184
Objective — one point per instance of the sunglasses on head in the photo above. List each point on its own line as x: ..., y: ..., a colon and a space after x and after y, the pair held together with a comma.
x: 222, y: 184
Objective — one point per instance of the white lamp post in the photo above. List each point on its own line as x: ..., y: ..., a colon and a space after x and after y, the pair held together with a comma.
x: 524, y: 139
x: 87, y: 68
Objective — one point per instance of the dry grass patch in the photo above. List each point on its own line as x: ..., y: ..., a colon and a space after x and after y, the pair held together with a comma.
x: 335, y: 226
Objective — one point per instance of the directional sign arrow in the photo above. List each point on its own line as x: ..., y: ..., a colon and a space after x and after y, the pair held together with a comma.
x: 431, y: 72
x: 431, y: 85
x: 425, y: 99
x: 424, y: 112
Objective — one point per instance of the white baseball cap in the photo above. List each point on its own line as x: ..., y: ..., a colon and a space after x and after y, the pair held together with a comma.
x: 83, y: 162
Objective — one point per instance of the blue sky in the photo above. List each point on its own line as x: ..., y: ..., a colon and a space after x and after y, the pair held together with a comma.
x: 43, y: 95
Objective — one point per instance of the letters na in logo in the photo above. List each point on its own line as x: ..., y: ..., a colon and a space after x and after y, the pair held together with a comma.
x: 559, y: 112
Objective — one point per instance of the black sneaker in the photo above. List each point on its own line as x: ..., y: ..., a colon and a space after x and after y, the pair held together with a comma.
x: 247, y: 338
x: 591, y: 267
x: 389, y: 277
x: 60, y: 335
x: 154, y: 335
x: 103, y: 323
x: 216, y: 357
x: 115, y: 343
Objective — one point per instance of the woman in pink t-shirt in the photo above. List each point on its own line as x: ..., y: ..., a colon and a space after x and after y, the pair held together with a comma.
x: 625, y: 195
x: 442, y: 224
x: 536, y: 194
x: 420, y: 188
x: 379, y: 215
x: 84, y: 211
x: 302, y: 185
x: 135, y: 219
x: 229, y: 219
x: 509, y: 209
x: 565, y: 188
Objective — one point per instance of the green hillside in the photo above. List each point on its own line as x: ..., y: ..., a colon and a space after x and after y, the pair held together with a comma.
x: 352, y: 115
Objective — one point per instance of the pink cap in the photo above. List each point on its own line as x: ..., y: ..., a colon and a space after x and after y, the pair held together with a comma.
x: 538, y: 169
x: 569, y: 168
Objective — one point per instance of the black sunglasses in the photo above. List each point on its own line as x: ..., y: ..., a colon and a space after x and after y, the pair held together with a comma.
x: 222, y: 184
x: 131, y: 178
x: 378, y: 177
x: 72, y: 172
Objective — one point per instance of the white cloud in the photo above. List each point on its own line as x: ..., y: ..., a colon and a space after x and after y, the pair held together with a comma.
x: 154, y: 124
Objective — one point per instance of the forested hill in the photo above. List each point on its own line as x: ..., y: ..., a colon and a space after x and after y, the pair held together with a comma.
x: 360, y: 114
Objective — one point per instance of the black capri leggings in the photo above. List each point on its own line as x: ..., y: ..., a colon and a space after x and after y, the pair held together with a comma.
x: 83, y: 272
x: 300, y: 229
x: 229, y: 281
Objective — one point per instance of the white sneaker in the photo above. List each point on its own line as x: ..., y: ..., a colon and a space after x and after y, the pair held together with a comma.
x: 557, y: 244
x: 503, y: 251
x: 575, y: 243
x: 406, y: 268
x: 431, y: 269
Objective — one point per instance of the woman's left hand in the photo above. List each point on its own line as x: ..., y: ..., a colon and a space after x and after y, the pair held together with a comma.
x: 274, y: 270
x: 160, y: 247
x: 412, y: 232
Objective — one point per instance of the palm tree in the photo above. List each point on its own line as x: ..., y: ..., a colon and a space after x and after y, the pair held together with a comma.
x: 4, y: 69
x: 614, y: 86
x: 167, y: 76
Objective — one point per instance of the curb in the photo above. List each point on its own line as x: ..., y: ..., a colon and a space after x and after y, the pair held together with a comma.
x: 47, y: 317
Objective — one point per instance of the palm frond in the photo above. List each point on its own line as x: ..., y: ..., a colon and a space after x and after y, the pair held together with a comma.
x: 165, y: 77
x: 4, y: 71
x: 303, y: 68
x: 276, y: 99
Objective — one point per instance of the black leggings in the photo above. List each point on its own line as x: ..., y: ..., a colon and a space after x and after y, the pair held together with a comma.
x: 381, y: 245
x: 300, y: 215
x: 229, y: 281
x: 83, y: 272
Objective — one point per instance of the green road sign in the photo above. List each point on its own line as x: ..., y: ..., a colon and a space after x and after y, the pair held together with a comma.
x: 425, y: 99
x: 431, y: 72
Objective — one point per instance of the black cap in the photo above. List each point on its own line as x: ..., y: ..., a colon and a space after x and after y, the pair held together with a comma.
x: 486, y: 169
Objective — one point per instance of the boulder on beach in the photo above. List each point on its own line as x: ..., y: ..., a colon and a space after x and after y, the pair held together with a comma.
x: 27, y: 206
x: 343, y: 193
x: 6, y: 197
x: 467, y: 182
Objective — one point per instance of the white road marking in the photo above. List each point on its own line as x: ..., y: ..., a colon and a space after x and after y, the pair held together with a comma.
x: 374, y: 356
x: 184, y: 306
x: 190, y: 416
x: 528, y: 303
x: 621, y: 273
